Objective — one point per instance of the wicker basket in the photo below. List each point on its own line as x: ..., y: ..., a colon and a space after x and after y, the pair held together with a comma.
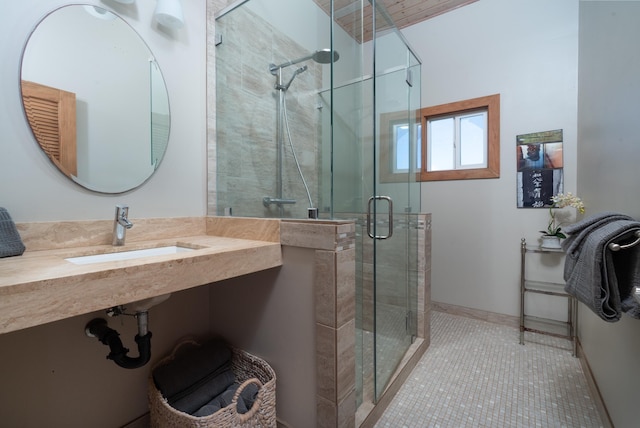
x: 247, y: 369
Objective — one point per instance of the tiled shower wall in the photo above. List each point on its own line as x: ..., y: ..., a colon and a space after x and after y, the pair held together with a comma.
x: 247, y: 103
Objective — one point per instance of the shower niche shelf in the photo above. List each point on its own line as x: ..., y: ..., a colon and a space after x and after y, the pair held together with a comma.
x: 563, y: 329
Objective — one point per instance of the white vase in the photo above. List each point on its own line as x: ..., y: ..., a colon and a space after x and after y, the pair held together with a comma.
x: 552, y: 242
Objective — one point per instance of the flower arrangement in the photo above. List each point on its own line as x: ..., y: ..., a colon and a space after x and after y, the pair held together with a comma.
x: 560, y: 201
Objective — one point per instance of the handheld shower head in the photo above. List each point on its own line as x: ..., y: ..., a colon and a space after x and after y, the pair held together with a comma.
x: 295, y: 73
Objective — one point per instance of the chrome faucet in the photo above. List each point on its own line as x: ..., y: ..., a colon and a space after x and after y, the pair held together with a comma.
x: 121, y: 224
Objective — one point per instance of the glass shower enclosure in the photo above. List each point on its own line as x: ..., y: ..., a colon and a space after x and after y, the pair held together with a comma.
x: 316, y: 110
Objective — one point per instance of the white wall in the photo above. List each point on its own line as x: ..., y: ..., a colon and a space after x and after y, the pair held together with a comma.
x: 53, y: 375
x: 608, y: 158
x: 526, y: 51
x: 313, y: 32
x: 32, y: 189
x: 272, y: 314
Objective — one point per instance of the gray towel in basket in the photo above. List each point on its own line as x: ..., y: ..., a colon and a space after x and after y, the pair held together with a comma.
x: 203, y: 392
x: 196, y: 364
x: 245, y: 400
x: 10, y: 242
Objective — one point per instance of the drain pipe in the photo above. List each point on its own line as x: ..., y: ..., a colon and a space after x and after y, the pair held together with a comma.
x: 98, y: 328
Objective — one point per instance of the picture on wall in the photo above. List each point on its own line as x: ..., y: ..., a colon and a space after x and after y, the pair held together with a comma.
x: 540, y: 168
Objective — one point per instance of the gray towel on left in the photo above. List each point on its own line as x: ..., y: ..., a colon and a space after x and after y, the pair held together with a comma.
x: 10, y: 242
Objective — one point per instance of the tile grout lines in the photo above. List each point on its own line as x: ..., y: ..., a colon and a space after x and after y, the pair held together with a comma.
x: 476, y: 374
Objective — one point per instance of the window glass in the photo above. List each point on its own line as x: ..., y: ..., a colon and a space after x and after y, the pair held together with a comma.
x: 401, y: 139
x: 442, y: 144
x: 473, y: 140
x: 402, y: 148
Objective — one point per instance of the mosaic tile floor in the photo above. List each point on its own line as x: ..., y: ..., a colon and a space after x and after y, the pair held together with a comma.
x: 476, y: 374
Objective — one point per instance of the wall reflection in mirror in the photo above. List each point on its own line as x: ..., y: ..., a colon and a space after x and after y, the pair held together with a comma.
x: 95, y: 98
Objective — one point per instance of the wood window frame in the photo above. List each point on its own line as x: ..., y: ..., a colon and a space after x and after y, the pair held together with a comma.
x: 492, y: 104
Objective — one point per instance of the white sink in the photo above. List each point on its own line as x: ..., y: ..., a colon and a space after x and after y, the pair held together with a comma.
x: 127, y: 255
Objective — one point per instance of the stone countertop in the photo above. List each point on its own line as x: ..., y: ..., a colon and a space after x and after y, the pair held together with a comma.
x: 41, y: 286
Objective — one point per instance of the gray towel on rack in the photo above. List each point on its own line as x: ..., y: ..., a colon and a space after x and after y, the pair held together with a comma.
x: 579, y: 231
x: 10, y: 242
x: 626, y: 266
x: 596, y: 276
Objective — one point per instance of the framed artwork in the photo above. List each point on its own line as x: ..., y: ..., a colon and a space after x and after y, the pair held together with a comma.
x: 540, y: 168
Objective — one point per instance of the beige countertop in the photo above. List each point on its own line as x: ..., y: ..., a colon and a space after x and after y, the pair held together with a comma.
x: 41, y: 286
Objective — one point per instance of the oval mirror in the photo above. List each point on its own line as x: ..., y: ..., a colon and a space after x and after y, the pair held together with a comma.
x: 95, y: 98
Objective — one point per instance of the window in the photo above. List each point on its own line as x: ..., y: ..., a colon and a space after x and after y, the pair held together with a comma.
x: 461, y: 140
x: 400, y: 146
x: 402, y: 153
x: 457, y: 142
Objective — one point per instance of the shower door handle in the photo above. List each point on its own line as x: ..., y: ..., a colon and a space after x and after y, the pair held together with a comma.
x: 380, y: 198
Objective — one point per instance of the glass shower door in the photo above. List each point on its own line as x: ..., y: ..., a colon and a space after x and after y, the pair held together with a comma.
x: 395, y: 199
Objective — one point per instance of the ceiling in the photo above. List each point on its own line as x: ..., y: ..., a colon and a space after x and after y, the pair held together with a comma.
x: 402, y: 12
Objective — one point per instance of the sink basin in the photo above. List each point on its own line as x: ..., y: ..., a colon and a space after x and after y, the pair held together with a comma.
x: 127, y: 255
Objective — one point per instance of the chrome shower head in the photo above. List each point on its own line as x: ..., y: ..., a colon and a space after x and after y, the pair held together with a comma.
x: 322, y: 56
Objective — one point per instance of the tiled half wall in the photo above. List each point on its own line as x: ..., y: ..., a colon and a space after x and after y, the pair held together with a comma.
x: 334, y: 293
x: 334, y: 244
